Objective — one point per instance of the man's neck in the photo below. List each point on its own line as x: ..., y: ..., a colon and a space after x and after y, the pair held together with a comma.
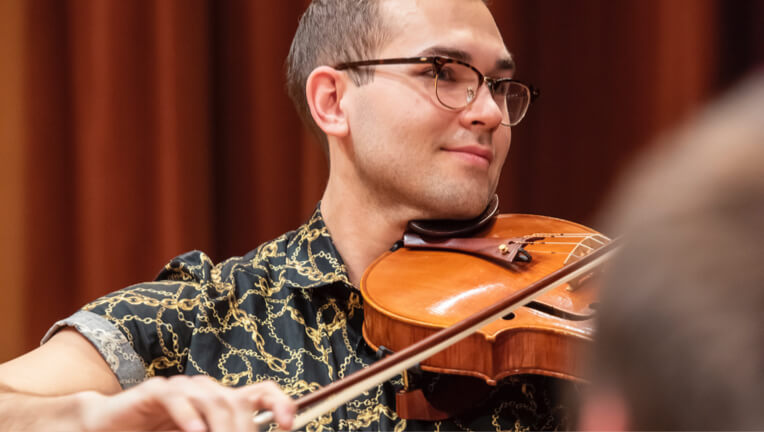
x: 360, y: 229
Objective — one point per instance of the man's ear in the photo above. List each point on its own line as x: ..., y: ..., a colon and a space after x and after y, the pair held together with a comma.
x: 324, y: 91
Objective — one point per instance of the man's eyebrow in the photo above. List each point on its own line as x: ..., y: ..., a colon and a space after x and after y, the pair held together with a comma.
x: 502, y: 64
x: 505, y: 64
x: 453, y: 53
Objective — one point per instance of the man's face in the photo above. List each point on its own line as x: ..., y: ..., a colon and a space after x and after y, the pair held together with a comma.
x: 410, y: 150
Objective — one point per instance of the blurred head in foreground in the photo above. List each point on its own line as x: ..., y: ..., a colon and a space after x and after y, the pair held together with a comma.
x: 680, y: 339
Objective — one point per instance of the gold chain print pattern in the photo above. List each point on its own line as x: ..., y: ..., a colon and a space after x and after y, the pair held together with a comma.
x: 284, y: 312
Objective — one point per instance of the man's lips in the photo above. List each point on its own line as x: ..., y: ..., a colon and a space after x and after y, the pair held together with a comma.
x: 473, y: 151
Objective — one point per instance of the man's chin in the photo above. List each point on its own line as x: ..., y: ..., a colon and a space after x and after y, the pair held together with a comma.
x: 462, y: 209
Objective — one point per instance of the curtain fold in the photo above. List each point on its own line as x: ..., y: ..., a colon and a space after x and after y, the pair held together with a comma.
x: 134, y: 131
x: 13, y: 189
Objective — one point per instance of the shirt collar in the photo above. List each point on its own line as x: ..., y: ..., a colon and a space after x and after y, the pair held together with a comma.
x: 312, y: 260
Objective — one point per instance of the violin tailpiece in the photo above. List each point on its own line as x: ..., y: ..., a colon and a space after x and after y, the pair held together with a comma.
x: 506, y: 250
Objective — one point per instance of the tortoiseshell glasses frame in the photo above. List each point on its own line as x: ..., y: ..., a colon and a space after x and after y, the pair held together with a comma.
x: 457, y: 84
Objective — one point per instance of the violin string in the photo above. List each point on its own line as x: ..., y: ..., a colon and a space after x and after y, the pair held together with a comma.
x: 580, y: 248
x: 577, y: 246
x: 554, y: 235
x: 598, y: 238
x: 552, y: 243
x: 557, y: 252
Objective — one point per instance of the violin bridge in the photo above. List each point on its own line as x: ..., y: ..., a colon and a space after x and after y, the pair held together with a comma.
x: 584, y: 247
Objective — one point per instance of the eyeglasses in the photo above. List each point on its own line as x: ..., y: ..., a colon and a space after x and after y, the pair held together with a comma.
x: 457, y: 83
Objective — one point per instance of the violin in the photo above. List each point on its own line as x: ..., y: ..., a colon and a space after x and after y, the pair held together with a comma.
x: 493, y: 297
x: 433, y: 283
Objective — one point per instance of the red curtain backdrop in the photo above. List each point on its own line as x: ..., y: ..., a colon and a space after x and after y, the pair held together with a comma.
x: 133, y: 131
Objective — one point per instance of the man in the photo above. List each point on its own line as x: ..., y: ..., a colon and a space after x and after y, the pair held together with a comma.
x: 418, y: 136
x: 679, y: 340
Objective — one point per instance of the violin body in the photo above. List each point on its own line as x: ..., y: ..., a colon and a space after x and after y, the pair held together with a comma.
x: 410, y: 294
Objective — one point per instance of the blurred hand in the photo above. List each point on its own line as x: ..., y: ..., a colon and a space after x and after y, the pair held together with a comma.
x: 189, y: 404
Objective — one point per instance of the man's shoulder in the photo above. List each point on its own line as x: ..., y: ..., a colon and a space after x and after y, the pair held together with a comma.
x: 302, y: 258
x: 198, y: 268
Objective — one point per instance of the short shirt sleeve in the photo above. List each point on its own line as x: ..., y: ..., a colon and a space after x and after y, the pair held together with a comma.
x: 144, y: 330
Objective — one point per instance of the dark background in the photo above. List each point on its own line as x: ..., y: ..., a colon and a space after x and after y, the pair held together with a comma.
x: 133, y: 131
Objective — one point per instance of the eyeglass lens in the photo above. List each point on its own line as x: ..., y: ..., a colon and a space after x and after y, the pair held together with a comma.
x: 456, y: 87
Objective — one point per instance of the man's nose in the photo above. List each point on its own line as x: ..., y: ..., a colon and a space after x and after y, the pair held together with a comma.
x: 483, y: 110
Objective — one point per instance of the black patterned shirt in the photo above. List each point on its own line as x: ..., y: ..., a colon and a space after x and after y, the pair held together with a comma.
x: 286, y: 312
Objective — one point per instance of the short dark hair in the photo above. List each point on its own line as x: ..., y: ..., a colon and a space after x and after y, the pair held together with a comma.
x: 332, y: 32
